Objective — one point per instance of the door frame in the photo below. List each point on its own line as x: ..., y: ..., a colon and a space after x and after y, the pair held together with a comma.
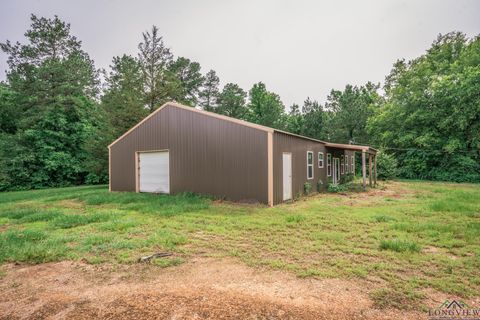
x: 291, y: 174
x: 137, y: 168
x: 335, y: 173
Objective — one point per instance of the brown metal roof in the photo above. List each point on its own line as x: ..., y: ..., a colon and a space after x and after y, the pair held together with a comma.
x: 247, y: 124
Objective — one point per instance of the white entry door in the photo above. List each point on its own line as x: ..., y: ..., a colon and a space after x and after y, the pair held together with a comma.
x: 336, y: 171
x: 287, y: 176
x: 154, y: 172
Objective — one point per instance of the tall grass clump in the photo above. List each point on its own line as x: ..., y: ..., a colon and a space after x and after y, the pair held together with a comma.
x: 31, y: 246
x: 399, y: 245
x: 75, y: 220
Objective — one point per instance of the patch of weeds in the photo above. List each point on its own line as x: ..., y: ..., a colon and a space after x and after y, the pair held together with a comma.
x: 167, y: 262
x: 307, y: 273
x: 94, y: 259
x: 17, y: 214
x: 167, y: 205
x: 390, y: 298
x: 30, y: 246
x: 399, y: 245
x: 295, y: 218
x: 383, y: 218
x: 118, y: 225
x: 41, y: 216
x: 167, y: 239
x: 76, y: 220
x: 124, y: 257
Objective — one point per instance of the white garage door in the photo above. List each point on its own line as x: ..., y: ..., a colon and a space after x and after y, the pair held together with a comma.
x: 154, y: 172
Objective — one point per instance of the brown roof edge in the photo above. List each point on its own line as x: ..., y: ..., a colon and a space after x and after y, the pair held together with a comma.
x: 299, y: 136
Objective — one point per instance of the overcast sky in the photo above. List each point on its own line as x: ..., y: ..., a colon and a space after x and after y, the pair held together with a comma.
x: 299, y: 49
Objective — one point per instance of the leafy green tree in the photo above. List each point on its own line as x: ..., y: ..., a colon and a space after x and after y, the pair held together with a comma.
x: 123, y: 99
x: 231, y: 101
x: 265, y: 107
x: 431, y: 117
x: 55, y: 87
x: 387, y: 166
x: 349, y: 110
x: 191, y: 80
x: 9, y: 113
x: 160, y: 83
x: 209, y: 93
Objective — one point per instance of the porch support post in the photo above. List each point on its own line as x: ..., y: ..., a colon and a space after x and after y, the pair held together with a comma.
x: 364, y: 170
x: 375, y: 170
x: 370, y: 170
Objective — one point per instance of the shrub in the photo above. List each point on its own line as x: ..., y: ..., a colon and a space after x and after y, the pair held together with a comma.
x: 335, y: 188
x: 347, y: 178
x: 387, y: 167
x: 307, y: 187
x: 319, y: 185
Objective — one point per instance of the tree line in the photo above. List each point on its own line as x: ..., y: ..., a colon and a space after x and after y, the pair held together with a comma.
x: 58, y: 112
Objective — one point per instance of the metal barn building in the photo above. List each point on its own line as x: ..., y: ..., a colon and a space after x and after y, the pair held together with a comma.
x: 179, y: 149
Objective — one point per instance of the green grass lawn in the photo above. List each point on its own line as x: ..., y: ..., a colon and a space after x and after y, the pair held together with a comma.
x: 405, y: 237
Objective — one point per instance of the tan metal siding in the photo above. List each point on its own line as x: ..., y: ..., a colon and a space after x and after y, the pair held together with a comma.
x: 298, y: 147
x: 207, y: 155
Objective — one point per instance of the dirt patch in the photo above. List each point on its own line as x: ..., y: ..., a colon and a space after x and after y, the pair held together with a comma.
x: 204, y: 288
x: 436, y: 250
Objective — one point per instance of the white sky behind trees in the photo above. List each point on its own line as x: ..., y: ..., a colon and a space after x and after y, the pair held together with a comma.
x: 299, y: 49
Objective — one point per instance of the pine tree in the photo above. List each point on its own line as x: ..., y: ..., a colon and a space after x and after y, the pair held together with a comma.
x: 265, y: 107
x: 191, y: 80
x: 55, y: 86
x: 123, y: 100
x: 208, y: 96
x: 231, y: 101
x: 160, y: 84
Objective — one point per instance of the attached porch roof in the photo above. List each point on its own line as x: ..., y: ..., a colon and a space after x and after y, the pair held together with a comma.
x: 353, y: 147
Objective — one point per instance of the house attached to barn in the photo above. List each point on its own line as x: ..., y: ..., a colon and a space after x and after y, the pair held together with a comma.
x: 183, y: 149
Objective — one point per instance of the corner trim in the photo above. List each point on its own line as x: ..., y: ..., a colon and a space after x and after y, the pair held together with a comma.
x: 109, y: 170
x: 137, y: 186
x: 270, y: 167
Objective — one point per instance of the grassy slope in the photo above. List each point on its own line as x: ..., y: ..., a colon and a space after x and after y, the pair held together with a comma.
x: 407, y: 237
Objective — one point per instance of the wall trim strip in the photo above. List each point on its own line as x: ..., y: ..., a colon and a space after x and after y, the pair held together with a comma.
x: 270, y: 167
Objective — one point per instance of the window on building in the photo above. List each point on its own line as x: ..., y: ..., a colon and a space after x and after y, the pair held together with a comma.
x: 320, y: 159
x: 342, y: 165
x: 309, y: 164
x: 347, y: 168
x: 352, y: 164
x: 329, y: 165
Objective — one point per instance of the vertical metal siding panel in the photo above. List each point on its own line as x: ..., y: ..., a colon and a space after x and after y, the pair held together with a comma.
x: 298, y: 147
x: 207, y: 155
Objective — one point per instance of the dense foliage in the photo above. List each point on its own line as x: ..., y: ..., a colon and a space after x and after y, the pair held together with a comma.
x: 387, y: 166
x: 431, y: 117
x: 57, y: 117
